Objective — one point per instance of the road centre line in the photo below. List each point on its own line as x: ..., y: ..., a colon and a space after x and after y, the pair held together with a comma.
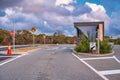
x: 12, y: 59
x: 97, y: 58
x: 102, y: 76
x: 109, y: 72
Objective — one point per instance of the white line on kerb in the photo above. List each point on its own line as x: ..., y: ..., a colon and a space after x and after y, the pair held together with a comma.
x: 102, y: 76
x: 12, y: 59
x: 116, y: 59
x: 109, y: 72
x: 97, y: 58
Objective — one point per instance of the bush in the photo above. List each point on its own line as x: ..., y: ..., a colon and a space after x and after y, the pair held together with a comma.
x: 83, y: 45
x: 105, y: 47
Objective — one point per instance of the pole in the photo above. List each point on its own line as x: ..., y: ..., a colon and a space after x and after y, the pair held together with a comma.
x: 44, y: 38
x: 33, y: 40
x: 14, y: 37
x: 98, y: 42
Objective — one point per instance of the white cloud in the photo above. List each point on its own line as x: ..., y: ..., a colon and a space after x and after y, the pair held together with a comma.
x: 21, y: 20
x: 9, y: 11
x: 98, y: 13
x: 70, y: 8
x: 55, y: 13
x: 66, y: 4
x: 95, y: 7
x: 62, y: 2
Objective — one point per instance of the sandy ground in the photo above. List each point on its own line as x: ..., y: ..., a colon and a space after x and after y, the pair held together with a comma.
x: 25, y: 49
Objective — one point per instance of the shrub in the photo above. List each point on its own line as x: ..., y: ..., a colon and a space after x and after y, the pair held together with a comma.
x: 83, y: 45
x: 105, y: 47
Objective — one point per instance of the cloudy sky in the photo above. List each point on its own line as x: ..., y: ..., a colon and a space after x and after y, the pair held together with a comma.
x: 51, y: 15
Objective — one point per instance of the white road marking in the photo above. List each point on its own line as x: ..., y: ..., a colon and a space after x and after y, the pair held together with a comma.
x: 109, y: 72
x: 97, y: 58
x: 102, y: 76
x: 7, y: 56
x: 55, y: 48
x: 116, y: 59
x: 12, y: 59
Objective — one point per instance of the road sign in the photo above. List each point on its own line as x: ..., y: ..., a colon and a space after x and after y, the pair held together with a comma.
x: 75, y: 41
x: 33, y: 29
x: 92, y: 46
x: 12, y: 33
x: 44, y: 36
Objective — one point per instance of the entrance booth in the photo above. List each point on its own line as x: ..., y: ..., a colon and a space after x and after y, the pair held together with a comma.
x: 98, y: 25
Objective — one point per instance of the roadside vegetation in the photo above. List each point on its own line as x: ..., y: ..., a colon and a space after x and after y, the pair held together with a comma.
x: 26, y: 37
x: 83, y: 46
x: 105, y: 47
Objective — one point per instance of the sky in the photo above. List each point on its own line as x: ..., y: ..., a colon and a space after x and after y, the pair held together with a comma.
x: 49, y: 16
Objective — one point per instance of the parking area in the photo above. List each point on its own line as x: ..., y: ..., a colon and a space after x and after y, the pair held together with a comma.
x: 107, y: 67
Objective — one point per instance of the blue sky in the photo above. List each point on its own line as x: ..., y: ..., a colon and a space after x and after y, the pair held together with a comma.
x: 51, y: 15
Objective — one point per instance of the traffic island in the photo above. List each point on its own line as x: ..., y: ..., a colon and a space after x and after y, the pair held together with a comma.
x: 93, y: 55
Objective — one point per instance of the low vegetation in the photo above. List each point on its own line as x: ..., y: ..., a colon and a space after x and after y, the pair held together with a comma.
x: 83, y: 46
x: 105, y: 47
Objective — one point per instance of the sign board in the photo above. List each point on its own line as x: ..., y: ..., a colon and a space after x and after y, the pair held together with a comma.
x: 75, y: 41
x: 92, y: 46
x: 44, y: 36
x: 33, y: 29
x: 12, y: 33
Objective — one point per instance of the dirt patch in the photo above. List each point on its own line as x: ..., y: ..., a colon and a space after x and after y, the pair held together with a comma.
x: 25, y: 49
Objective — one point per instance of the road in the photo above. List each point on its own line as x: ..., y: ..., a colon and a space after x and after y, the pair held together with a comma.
x: 52, y: 63
x: 58, y: 63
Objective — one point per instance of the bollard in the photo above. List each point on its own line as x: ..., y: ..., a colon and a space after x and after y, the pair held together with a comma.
x: 9, y: 52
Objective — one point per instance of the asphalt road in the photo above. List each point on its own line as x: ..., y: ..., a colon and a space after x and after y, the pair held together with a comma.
x: 52, y: 63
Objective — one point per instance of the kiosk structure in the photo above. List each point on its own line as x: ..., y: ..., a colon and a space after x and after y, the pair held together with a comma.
x: 99, y: 28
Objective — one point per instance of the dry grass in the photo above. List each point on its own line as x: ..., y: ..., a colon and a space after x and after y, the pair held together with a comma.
x: 25, y: 49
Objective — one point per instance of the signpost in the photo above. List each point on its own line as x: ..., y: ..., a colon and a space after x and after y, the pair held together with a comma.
x: 33, y: 29
x: 98, y: 42
x: 44, y: 37
x: 92, y: 46
x: 12, y: 34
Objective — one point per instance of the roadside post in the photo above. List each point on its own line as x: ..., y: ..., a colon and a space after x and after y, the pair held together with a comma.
x: 33, y: 29
x: 44, y: 37
x: 75, y: 41
x: 98, y: 42
x: 12, y: 34
x: 9, y: 52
